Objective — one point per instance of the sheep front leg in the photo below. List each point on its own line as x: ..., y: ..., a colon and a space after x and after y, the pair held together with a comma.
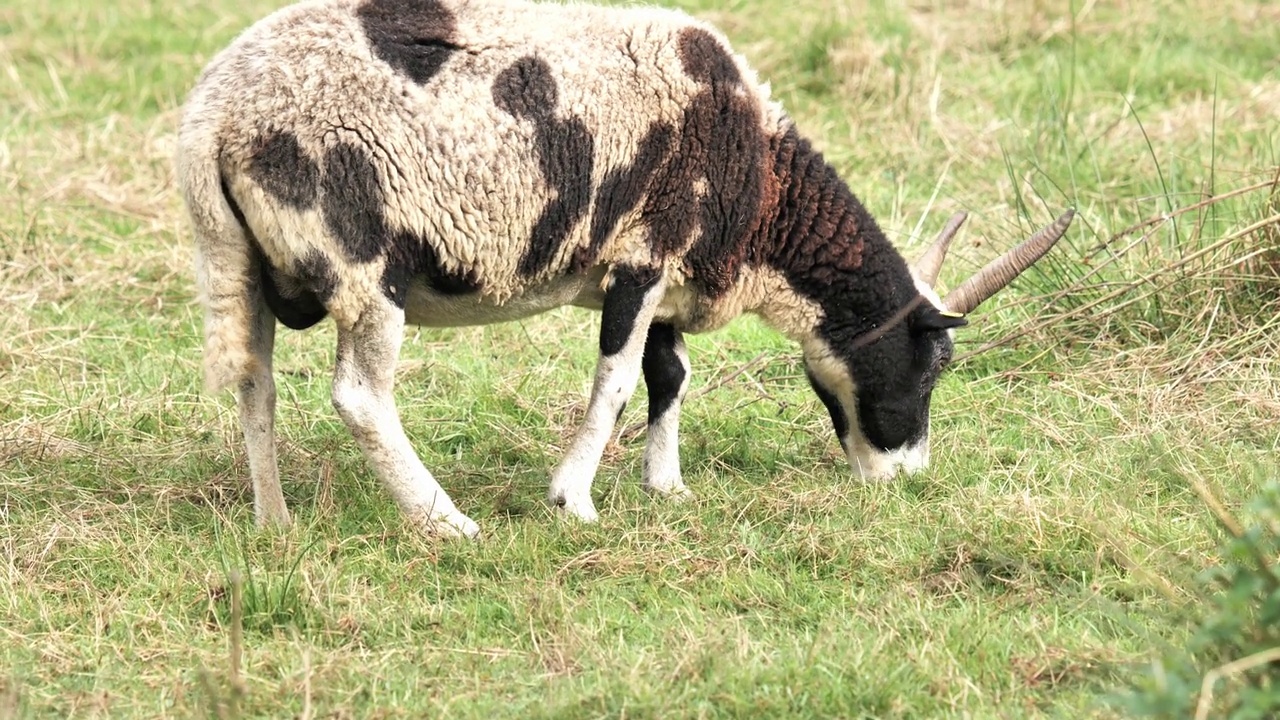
x: 256, y: 399
x: 630, y: 301
x: 666, y: 374
x: 362, y: 394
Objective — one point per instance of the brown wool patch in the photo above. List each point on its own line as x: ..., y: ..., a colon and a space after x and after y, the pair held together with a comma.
x: 705, y: 58
x: 723, y: 149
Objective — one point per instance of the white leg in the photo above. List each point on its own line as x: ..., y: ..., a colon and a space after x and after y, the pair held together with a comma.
x: 629, y: 306
x: 666, y: 373
x: 362, y: 394
x: 256, y: 398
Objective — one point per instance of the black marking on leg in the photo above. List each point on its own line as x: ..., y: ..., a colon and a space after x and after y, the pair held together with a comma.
x: 413, y: 36
x: 664, y: 373
x: 622, y: 302
x: 618, y: 418
x: 284, y: 170
x: 566, y: 154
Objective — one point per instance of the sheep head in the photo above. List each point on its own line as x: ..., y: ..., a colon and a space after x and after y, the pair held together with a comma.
x: 877, y: 387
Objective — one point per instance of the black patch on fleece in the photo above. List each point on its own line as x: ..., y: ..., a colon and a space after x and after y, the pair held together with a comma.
x: 352, y: 202
x: 316, y: 275
x: 622, y: 302
x: 663, y: 371
x: 622, y: 190
x: 353, y: 205
x: 722, y: 148
x: 566, y: 154
x: 284, y: 170
x: 412, y: 36
x: 824, y: 241
x: 410, y: 257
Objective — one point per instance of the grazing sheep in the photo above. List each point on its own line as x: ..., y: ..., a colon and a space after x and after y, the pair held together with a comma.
x: 460, y: 162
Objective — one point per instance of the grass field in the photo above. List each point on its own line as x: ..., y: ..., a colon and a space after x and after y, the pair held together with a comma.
x: 1050, y: 553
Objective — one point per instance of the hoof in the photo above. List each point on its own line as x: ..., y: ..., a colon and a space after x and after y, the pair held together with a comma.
x: 671, y: 492
x: 455, y: 525
x: 274, y: 520
x: 579, y: 507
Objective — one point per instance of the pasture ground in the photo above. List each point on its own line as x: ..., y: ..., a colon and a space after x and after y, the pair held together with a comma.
x: 1048, y: 555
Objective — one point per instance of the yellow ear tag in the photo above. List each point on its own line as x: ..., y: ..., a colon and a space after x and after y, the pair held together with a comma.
x: 948, y: 313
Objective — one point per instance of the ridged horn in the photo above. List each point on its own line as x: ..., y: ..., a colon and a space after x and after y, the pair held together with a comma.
x: 930, y: 262
x: 1000, y: 272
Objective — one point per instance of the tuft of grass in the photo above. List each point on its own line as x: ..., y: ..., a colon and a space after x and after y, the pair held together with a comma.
x: 267, y: 600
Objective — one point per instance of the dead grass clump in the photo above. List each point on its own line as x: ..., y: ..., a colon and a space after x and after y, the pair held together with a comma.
x: 959, y: 572
x: 1056, y: 666
x: 32, y: 441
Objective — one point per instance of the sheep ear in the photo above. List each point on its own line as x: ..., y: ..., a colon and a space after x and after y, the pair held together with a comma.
x: 931, y: 318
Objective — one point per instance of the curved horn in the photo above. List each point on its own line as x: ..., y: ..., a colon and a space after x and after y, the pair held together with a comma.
x: 930, y: 262
x: 1000, y: 272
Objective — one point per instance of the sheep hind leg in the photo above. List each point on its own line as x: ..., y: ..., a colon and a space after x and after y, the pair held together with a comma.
x: 256, y: 398
x: 666, y: 374
x: 630, y: 301
x: 363, y: 396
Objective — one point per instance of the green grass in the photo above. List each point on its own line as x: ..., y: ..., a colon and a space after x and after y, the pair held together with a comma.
x: 1047, y: 556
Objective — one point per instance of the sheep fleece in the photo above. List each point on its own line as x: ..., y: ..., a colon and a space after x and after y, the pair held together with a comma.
x: 485, y: 147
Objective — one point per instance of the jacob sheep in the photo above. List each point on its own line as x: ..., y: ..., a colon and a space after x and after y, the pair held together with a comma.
x: 461, y: 162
